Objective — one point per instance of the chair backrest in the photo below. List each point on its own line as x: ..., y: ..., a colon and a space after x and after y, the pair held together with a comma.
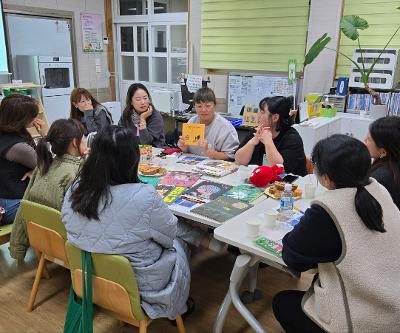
x: 46, y: 232
x: 309, y: 166
x: 114, y: 283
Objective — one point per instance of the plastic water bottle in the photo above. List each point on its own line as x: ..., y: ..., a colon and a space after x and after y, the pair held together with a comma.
x: 286, y: 204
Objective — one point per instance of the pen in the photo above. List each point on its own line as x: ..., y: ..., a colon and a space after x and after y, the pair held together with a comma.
x: 298, y: 209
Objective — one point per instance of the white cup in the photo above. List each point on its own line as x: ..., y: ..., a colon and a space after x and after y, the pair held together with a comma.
x: 270, y: 217
x: 253, y: 228
x: 309, y: 190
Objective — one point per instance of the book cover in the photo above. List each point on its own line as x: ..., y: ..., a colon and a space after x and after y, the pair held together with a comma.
x: 207, y: 190
x: 222, y: 209
x: 245, y: 192
x: 180, y: 178
x: 187, y: 203
x: 250, y: 116
x: 190, y: 159
x: 216, y: 168
x: 164, y: 189
x: 174, y: 194
x: 193, y: 133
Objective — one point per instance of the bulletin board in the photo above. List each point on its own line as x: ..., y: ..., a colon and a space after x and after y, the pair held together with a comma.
x: 251, y: 89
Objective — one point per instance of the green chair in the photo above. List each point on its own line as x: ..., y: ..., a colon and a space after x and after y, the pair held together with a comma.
x: 114, y: 287
x: 47, y: 236
x: 5, y: 232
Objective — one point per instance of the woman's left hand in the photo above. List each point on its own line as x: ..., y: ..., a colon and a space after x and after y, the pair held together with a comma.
x: 265, y: 135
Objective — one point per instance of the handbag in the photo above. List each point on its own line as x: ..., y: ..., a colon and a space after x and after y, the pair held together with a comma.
x: 79, y: 318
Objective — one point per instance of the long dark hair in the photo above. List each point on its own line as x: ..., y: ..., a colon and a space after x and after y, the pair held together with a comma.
x: 386, y: 134
x: 60, y: 135
x: 347, y: 163
x: 75, y: 97
x: 113, y: 160
x: 127, y: 113
x: 16, y: 112
x: 279, y: 105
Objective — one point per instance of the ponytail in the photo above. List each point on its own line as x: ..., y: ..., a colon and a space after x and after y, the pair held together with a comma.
x: 44, y: 157
x: 369, y: 209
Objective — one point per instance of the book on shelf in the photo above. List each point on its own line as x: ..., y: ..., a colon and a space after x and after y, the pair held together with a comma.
x: 363, y: 102
x: 216, y: 168
x: 207, y: 190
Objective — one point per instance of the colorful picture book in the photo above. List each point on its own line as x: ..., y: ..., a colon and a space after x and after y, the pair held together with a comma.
x: 193, y: 133
x: 180, y: 178
x: 187, y: 203
x: 222, y: 209
x: 275, y: 247
x: 169, y: 192
x: 164, y: 189
x: 245, y: 192
x: 207, y: 190
x: 190, y: 159
x: 250, y: 116
x: 216, y: 168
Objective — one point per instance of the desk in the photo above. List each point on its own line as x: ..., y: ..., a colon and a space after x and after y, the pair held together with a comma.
x: 233, y: 232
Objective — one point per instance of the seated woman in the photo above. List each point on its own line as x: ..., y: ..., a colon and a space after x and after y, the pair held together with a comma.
x: 17, y: 150
x: 52, y: 176
x: 351, y: 235
x: 383, y: 143
x: 275, y: 138
x: 142, y: 118
x: 109, y: 211
x: 88, y: 111
x: 221, y: 139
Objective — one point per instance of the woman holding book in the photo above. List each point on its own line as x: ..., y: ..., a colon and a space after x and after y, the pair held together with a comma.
x: 221, y: 139
x: 383, y: 143
x: 274, y: 138
x: 141, y: 117
x: 350, y: 234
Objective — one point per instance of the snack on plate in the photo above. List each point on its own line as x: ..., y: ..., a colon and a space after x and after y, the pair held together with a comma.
x: 146, y: 152
x: 150, y: 170
x: 275, y: 190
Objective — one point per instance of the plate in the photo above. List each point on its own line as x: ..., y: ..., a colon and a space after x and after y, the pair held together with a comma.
x: 161, y: 173
x: 277, y: 194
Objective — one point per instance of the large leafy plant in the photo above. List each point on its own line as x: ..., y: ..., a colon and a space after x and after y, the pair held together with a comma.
x: 350, y: 26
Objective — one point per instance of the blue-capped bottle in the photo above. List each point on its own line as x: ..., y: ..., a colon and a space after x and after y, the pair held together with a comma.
x: 286, y: 204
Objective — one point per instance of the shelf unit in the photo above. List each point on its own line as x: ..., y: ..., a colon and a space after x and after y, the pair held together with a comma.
x: 36, y: 93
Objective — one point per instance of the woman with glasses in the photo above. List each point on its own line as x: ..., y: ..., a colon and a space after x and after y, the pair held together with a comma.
x: 274, y: 141
x: 350, y: 234
x: 142, y: 118
x: 221, y: 139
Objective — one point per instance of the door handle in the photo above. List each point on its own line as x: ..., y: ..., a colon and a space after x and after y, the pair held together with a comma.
x: 43, y: 80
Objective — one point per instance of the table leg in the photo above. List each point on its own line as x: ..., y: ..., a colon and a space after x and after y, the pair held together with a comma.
x: 242, y: 264
x: 252, y: 294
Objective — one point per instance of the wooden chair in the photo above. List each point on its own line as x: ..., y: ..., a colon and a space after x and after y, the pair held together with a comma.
x: 47, y: 235
x: 309, y: 166
x: 5, y: 233
x: 114, y: 287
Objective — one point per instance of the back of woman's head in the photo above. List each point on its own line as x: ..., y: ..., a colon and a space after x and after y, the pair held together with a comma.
x: 16, y: 112
x: 113, y: 160
x: 386, y: 134
x: 75, y: 98
x: 279, y: 105
x: 347, y: 163
x: 61, y: 134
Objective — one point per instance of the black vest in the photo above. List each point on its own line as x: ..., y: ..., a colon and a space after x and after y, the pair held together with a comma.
x: 11, y: 186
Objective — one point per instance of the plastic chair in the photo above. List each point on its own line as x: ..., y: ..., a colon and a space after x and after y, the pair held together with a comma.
x: 114, y: 287
x: 309, y: 166
x: 47, y: 236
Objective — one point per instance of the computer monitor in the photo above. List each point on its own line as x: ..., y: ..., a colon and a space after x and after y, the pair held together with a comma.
x: 187, y: 96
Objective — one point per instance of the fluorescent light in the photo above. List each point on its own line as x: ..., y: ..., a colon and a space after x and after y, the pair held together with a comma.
x: 132, y: 9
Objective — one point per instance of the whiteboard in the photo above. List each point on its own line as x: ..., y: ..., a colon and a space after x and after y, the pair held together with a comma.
x: 251, y: 89
x: 3, y: 48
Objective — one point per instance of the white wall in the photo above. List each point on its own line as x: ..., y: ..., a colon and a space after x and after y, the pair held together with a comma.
x: 87, y: 76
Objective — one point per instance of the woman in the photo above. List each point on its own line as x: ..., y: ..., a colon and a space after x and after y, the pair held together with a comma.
x: 88, y: 111
x: 351, y: 235
x: 275, y: 138
x: 383, y: 143
x: 142, y: 118
x: 17, y: 150
x: 52, y: 176
x: 221, y: 139
x: 110, y: 211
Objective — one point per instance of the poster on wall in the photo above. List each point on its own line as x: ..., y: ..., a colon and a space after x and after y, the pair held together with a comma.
x: 92, y: 32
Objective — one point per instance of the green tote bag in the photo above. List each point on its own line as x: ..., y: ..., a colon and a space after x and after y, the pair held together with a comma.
x: 79, y: 317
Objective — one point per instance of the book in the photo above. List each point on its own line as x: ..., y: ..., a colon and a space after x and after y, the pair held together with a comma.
x: 187, y: 203
x: 190, y: 159
x: 216, y: 168
x: 174, y: 194
x: 222, y: 209
x: 193, y: 133
x: 207, y: 190
x: 164, y: 189
x: 180, y: 178
x: 245, y: 192
x: 250, y: 116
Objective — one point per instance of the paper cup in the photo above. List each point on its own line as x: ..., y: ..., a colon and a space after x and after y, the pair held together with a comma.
x: 309, y: 190
x: 270, y: 217
x: 253, y: 228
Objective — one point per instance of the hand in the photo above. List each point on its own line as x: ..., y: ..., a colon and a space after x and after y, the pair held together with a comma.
x: 27, y: 175
x: 181, y: 143
x: 203, y: 144
x: 265, y: 135
x: 85, y: 153
x: 255, y: 140
x: 40, y: 126
x: 146, y: 114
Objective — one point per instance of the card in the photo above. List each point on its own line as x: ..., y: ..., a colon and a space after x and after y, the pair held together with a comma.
x: 193, y: 133
x: 207, y: 190
x: 180, y: 178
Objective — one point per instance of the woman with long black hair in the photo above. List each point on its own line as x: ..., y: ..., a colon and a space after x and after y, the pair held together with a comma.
x: 350, y: 234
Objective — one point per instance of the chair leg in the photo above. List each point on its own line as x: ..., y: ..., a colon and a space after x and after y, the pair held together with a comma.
x: 143, y: 326
x: 35, y: 286
x: 180, y: 324
x: 45, y: 274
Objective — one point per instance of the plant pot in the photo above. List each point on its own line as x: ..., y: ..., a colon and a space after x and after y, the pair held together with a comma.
x: 378, y: 111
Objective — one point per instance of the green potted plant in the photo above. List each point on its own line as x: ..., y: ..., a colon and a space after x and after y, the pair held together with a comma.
x: 349, y: 26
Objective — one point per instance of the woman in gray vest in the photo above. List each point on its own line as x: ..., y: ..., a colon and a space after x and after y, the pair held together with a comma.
x: 350, y: 234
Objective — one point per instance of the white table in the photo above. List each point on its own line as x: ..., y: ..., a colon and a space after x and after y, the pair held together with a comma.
x: 233, y: 232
